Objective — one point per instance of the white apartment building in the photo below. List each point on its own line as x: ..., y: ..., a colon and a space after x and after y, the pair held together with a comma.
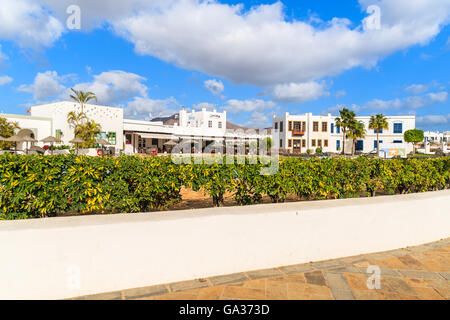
x: 299, y: 133
x: 437, y: 137
x: 132, y: 136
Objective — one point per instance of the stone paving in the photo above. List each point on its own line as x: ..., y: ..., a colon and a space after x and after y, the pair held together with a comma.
x: 413, y: 273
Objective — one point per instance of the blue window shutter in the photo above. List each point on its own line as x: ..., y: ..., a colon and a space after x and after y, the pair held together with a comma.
x: 398, y: 127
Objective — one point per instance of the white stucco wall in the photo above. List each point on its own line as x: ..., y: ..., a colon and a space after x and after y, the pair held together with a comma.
x: 41, y: 258
x: 41, y: 126
x: 110, y: 118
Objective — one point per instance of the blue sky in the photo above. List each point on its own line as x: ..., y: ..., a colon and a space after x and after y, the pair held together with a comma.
x: 251, y: 58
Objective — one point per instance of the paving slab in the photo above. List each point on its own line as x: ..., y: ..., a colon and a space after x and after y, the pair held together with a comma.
x: 413, y: 273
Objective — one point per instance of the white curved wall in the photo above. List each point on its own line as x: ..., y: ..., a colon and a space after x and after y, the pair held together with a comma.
x: 41, y: 258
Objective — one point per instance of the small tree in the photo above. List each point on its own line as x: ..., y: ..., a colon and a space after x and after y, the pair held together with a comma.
x: 414, y: 136
x: 89, y: 132
x: 7, y: 129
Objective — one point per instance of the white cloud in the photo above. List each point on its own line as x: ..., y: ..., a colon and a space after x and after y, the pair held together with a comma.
x: 298, y: 92
x: 340, y: 94
x: 237, y: 106
x: 412, y: 102
x: 258, y: 120
x: 113, y: 87
x: 204, y: 105
x: 46, y: 85
x: 433, y: 120
x: 145, y: 108
x: 5, y: 80
x: 260, y: 47
x: 28, y: 24
x: 408, y: 103
x: 214, y: 86
x: 417, y: 88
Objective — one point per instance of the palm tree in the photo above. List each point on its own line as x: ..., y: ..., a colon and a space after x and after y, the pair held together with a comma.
x: 378, y: 123
x: 82, y: 97
x: 356, y: 130
x: 7, y: 129
x: 75, y: 119
x: 345, y: 119
x: 88, y: 132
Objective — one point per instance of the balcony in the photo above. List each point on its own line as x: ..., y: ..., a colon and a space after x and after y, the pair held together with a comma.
x: 298, y: 132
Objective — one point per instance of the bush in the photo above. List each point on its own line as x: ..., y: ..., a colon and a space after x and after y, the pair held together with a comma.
x: 41, y: 186
x: 319, y: 150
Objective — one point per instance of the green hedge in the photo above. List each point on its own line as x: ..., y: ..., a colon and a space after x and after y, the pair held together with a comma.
x: 40, y: 186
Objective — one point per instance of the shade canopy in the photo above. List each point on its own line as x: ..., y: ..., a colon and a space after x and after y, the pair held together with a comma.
x: 15, y: 139
x: 37, y: 149
x: 216, y: 144
x: 51, y: 139
x: 77, y: 140
x: 28, y: 139
x: 156, y: 136
x: 171, y: 143
x: 103, y: 142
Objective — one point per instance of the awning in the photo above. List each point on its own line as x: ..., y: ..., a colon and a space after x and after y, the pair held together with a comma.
x: 157, y: 136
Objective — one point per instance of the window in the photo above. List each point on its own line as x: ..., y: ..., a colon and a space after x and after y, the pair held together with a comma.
x: 338, y: 145
x: 128, y: 138
x: 313, y: 143
x: 324, y: 126
x: 378, y: 131
x: 325, y: 143
x: 332, y: 128
x: 398, y: 127
x: 316, y: 126
x: 281, y: 143
x: 338, y: 129
x: 58, y: 133
x: 220, y: 125
x: 304, y: 126
x: 154, y: 142
x: 375, y: 145
x: 209, y: 124
x: 142, y: 143
x: 319, y: 143
x: 276, y: 125
x: 281, y: 126
x: 290, y: 143
x: 359, y: 145
x: 290, y: 125
x: 112, y: 139
x: 303, y: 143
x: 398, y: 141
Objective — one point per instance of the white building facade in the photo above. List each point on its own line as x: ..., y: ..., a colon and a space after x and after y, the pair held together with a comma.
x: 300, y: 133
x: 203, y: 128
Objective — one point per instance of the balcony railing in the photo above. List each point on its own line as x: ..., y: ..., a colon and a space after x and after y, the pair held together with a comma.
x: 298, y: 132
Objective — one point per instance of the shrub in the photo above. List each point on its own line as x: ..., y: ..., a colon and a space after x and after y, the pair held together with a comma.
x: 40, y: 186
